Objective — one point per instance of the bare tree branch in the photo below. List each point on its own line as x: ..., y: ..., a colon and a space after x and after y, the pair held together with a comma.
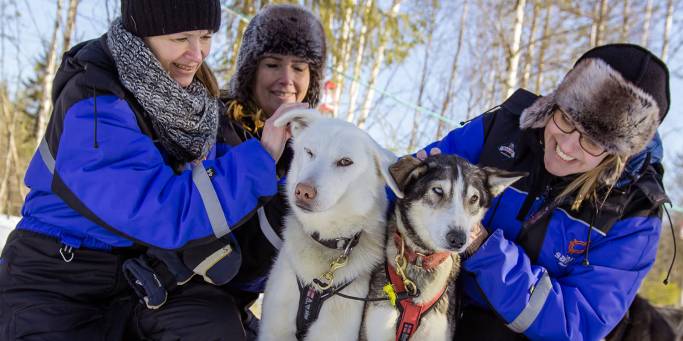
x: 51, y: 68
x: 70, y: 24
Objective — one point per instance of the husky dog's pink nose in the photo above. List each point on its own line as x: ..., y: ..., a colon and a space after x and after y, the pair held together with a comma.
x: 305, y: 192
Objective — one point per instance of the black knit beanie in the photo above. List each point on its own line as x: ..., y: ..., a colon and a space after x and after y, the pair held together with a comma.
x: 146, y: 18
x: 617, y: 94
x: 284, y: 29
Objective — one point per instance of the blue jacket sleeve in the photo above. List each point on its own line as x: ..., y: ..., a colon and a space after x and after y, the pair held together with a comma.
x: 585, y: 303
x: 124, y: 182
x: 465, y: 142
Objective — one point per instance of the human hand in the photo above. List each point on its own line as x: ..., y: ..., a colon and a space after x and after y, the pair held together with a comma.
x: 477, y: 237
x: 422, y: 154
x: 273, y: 138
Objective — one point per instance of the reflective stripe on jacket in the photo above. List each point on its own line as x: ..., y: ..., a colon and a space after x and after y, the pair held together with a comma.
x: 100, y: 181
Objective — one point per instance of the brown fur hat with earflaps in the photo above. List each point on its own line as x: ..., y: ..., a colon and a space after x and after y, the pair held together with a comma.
x: 616, y: 94
x: 284, y: 29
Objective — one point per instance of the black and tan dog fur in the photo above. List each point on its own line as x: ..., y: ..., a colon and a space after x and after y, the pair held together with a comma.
x: 442, y: 198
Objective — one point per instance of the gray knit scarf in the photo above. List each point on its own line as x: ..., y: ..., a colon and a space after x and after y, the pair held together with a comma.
x: 186, y: 119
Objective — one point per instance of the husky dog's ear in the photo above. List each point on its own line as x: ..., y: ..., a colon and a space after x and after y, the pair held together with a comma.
x: 298, y: 119
x: 401, y: 171
x: 498, y: 180
x: 383, y: 160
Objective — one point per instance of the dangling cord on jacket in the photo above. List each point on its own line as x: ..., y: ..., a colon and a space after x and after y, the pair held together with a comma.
x: 94, y: 99
x: 594, y: 214
x: 673, y: 236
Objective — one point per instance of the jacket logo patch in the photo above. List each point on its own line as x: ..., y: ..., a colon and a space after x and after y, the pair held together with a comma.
x: 563, y: 260
x: 576, y: 247
x: 508, y: 151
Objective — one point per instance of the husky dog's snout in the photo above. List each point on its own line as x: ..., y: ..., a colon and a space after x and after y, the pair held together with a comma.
x: 456, y: 238
x: 305, y: 193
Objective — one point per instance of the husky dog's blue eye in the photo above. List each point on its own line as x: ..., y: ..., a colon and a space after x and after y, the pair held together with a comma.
x: 438, y: 191
x: 474, y: 199
x: 344, y: 162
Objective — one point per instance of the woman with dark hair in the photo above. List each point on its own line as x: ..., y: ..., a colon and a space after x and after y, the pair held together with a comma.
x: 280, y: 66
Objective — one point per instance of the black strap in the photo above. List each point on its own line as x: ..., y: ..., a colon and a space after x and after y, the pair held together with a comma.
x: 310, y: 303
x: 337, y: 243
x: 149, y: 281
x: 533, y: 233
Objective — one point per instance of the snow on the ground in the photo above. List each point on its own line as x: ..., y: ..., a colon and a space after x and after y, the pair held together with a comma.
x: 7, y: 224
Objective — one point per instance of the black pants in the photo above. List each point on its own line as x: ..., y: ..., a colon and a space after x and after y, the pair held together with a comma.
x: 42, y: 297
x: 481, y: 324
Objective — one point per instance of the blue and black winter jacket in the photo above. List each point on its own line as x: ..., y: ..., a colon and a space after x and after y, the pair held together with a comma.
x: 570, y: 275
x: 99, y: 179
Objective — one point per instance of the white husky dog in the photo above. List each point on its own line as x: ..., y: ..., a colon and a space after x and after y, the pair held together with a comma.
x: 334, y: 234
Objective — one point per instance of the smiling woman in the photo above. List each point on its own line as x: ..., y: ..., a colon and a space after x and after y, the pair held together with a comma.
x: 568, y: 151
x: 279, y: 67
x: 181, y: 54
x: 565, y: 250
x: 280, y: 79
x: 127, y: 229
x: 281, y: 60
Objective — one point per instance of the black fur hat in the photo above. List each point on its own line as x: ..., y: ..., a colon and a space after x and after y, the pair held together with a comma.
x: 284, y: 29
x: 617, y: 94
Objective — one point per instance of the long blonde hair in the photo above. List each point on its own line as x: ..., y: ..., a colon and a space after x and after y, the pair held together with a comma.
x: 586, y: 185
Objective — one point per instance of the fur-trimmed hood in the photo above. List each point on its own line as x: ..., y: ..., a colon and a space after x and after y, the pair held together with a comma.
x: 621, y: 113
x: 285, y: 29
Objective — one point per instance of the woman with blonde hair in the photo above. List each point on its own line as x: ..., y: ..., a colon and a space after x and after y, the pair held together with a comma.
x: 563, y: 251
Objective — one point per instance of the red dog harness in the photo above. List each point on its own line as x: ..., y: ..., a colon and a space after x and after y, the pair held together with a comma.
x: 411, y: 313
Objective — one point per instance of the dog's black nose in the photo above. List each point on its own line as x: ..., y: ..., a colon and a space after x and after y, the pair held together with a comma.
x: 456, y: 238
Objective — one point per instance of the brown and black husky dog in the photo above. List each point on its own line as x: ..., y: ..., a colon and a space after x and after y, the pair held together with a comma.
x: 442, y: 199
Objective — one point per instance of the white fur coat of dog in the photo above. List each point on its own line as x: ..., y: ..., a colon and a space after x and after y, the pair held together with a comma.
x: 335, y: 189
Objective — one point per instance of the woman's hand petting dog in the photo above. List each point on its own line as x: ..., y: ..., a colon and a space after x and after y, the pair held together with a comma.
x: 273, y: 138
x: 422, y: 154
